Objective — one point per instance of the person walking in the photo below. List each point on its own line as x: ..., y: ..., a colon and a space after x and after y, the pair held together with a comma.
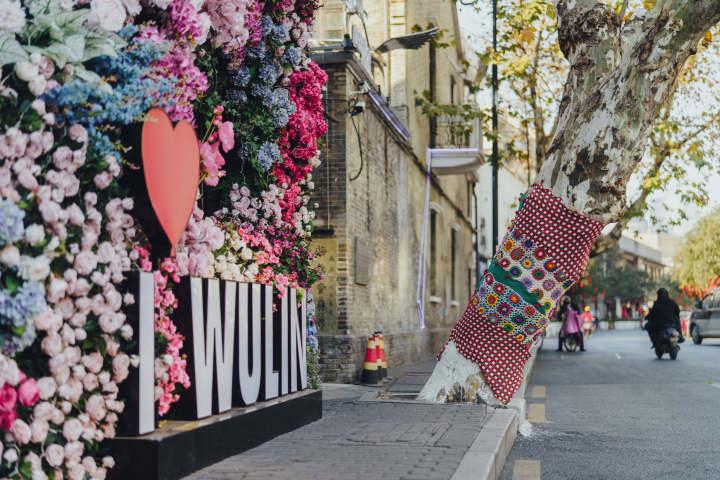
x: 588, y: 320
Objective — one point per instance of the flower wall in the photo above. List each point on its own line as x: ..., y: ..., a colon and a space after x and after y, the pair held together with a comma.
x: 76, y: 75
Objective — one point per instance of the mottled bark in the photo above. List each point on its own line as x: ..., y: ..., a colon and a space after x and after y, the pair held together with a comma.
x: 620, y: 76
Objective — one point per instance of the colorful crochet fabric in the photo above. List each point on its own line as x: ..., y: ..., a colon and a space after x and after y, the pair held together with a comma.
x: 505, y: 307
x: 544, y: 252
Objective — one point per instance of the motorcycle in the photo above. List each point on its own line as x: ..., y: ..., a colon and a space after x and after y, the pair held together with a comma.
x: 571, y: 332
x: 667, y: 341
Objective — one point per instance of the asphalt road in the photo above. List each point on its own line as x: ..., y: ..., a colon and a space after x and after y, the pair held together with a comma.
x: 616, y: 412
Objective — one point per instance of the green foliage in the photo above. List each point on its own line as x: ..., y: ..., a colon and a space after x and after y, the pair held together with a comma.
x: 697, y: 263
x: 614, y: 277
x: 63, y: 36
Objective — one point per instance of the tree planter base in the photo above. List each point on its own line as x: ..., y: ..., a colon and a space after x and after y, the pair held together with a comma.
x: 179, y: 448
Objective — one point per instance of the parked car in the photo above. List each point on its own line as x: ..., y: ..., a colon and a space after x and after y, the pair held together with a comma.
x: 705, y: 321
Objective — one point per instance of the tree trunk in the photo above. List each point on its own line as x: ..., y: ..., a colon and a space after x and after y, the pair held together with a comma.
x: 620, y: 76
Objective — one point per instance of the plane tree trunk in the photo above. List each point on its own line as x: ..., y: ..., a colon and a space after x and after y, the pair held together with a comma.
x: 620, y: 76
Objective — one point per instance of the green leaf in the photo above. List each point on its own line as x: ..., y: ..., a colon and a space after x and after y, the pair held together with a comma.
x: 25, y: 469
x: 10, y: 50
x: 71, y: 51
x: 86, y: 75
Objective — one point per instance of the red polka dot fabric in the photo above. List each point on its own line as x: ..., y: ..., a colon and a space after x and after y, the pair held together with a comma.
x: 567, y: 235
x: 501, y: 359
x: 563, y: 236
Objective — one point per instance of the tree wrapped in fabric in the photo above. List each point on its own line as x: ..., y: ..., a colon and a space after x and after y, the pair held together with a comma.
x: 621, y: 74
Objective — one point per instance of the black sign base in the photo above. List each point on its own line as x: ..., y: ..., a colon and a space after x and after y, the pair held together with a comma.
x: 179, y: 448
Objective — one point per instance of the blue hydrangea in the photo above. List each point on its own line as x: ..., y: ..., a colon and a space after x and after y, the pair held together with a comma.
x: 267, y: 155
x: 269, y: 73
x: 241, y: 78
x: 257, y: 52
x: 280, y: 33
x: 282, y: 107
x: 122, y: 102
x: 267, y: 25
x: 262, y: 92
x: 237, y: 96
x: 293, y: 56
x: 17, y: 314
x: 19, y: 309
x: 11, y: 222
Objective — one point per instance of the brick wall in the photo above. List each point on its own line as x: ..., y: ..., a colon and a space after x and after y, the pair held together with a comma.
x: 376, y: 200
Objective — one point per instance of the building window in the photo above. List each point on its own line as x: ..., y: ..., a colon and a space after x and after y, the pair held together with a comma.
x: 453, y: 258
x: 433, y: 252
x: 452, y: 90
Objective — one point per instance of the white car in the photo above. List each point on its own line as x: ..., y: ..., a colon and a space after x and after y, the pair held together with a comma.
x: 705, y: 321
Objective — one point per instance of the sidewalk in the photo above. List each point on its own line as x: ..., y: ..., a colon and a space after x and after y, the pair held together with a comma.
x: 363, y: 438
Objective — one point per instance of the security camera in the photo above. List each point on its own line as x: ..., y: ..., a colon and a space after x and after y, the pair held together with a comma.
x: 363, y: 88
x: 358, y: 108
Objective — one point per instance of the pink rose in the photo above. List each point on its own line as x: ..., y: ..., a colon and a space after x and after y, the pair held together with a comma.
x: 74, y: 451
x: 95, y: 407
x: 20, y: 431
x: 54, y: 454
x: 8, y: 398
x: 28, y: 393
x: 72, y: 429
x: 48, y: 320
x: 46, y: 387
x: 39, y: 429
x: 85, y: 262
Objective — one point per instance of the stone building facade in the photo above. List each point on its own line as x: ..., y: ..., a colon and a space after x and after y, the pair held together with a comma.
x: 370, y: 190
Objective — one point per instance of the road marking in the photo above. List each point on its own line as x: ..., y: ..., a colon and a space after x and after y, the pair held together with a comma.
x: 617, y: 355
x: 526, y: 470
x: 536, y: 413
x: 538, y: 391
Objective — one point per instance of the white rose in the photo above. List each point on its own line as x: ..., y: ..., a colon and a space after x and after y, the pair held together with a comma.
x: 10, y: 256
x: 34, y: 268
x: 11, y: 455
x: 39, y: 429
x: 20, y: 432
x: 37, y: 86
x: 26, y: 71
x: 246, y: 254
x: 43, y: 410
x: 12, y: 16
x: 110, y: 15
x: 72, y: 429
x: 54, y: 454
x: 57, y: 288
x: 34, y: 234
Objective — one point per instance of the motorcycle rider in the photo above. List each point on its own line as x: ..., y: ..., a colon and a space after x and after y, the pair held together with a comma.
x: 569, y: 311
x: 664, y: 313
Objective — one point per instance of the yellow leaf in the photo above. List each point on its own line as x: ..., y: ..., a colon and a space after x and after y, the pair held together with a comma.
x: 649, y: 4
x: 527, y: 34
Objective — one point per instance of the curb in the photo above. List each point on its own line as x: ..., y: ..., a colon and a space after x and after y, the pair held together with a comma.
x: 518, y: 402
x: 485, y: 459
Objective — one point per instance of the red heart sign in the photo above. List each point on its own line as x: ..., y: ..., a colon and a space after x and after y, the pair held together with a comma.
x: 171, y: 164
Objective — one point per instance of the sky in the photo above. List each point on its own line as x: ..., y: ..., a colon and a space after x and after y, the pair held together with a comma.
x: 477, y: 26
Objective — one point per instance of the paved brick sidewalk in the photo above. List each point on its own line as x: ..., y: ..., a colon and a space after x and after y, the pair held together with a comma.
x: 363, y: 440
